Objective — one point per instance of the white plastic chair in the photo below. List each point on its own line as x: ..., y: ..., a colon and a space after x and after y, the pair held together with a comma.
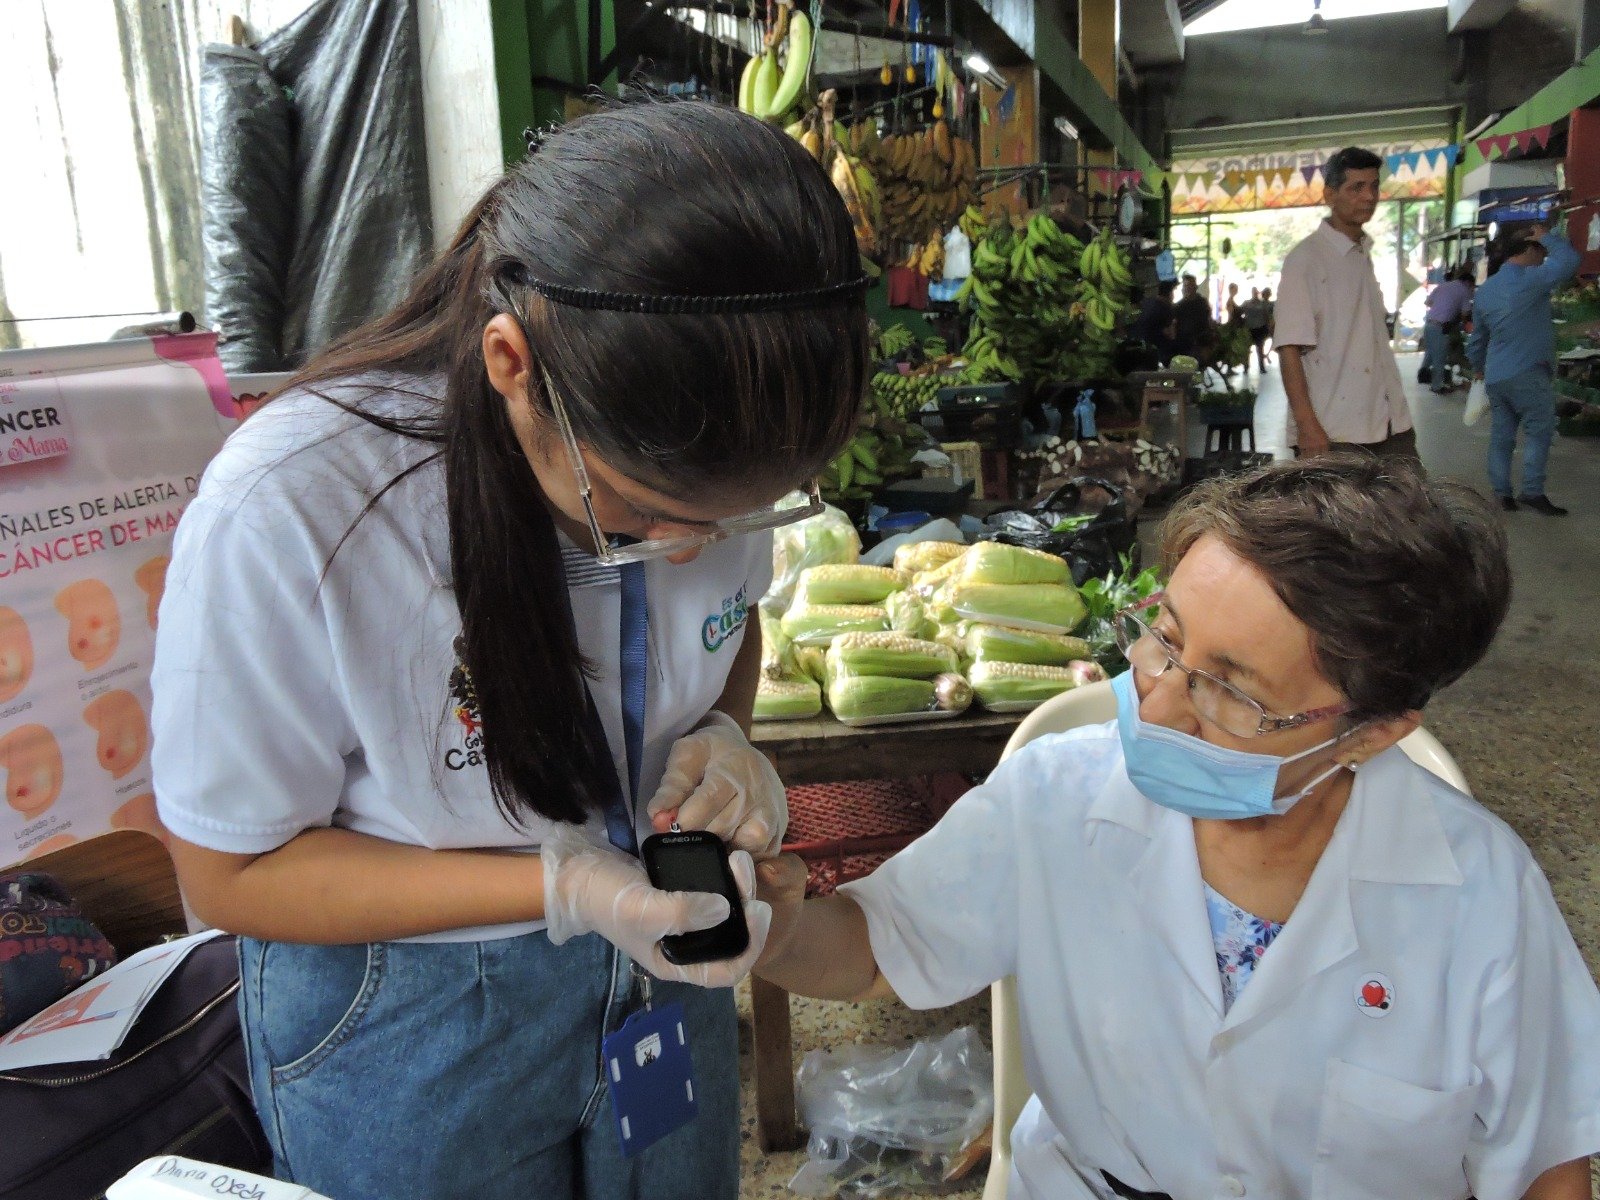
x: 1092, y: 705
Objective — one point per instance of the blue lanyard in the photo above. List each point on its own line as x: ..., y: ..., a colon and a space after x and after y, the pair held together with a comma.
x: 633, y: 661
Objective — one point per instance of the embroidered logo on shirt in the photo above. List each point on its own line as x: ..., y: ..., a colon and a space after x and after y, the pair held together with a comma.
x: 719, y: 627
x: 465, y: 695
x: 1375, y: 995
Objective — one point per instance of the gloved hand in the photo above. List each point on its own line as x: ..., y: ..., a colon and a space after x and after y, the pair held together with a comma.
x: 592, y: 887
x: 717, y: 781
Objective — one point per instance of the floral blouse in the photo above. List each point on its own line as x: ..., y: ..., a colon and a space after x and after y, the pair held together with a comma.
x: 1241, y: 939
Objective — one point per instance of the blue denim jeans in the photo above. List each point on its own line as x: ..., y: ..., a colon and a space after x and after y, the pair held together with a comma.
x: 1436, y: 356
x: 471, y: 1070
x: 1525, y: 400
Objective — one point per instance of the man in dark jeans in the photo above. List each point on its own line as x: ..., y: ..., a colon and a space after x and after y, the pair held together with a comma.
x: 1193, y: 316
x: 1513, y: 350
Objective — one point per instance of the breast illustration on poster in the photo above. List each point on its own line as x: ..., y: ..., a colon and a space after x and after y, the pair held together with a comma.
x: 101, y: 449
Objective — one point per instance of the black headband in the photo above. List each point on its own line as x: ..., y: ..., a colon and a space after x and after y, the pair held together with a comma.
x: 635, y: 302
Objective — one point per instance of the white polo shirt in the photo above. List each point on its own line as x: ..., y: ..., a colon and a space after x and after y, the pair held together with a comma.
x: 286, y: 699
x: 1480, y: 1071
x: 1328, y: 303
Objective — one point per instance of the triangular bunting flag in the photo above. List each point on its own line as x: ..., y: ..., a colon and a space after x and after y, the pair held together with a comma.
x: 1102, y: 176
x: 1309, y: 173
x: 1539, y: 136
x: 1233, y: 182
x: 1391, y: 165
x: 1523, y: 139
x: 1452, y: 154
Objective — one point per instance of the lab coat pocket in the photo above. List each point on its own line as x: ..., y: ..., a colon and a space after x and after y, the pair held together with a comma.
x: 1382, y: 1137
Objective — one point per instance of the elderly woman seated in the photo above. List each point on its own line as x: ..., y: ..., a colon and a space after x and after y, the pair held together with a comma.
x: 1258, y: 951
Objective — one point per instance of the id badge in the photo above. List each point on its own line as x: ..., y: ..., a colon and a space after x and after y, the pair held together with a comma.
x: 650, y: 1076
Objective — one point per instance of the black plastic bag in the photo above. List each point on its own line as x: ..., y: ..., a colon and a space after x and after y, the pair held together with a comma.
x: 1093, y: 548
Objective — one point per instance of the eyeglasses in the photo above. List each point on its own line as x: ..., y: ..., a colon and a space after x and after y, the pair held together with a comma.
x: 772, y: 517
x: 1217, y: 700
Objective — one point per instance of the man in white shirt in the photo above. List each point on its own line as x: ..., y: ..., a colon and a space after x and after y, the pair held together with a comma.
x: 1338, y: 368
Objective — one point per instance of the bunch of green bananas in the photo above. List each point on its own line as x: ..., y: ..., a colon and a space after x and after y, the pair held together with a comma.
x: 973, y: 222
x: 903, y: 396
x: 874, y: 456
x: 1021, y: 293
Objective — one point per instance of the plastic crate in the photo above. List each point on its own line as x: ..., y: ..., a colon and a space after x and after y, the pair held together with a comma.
x: 968, y: 460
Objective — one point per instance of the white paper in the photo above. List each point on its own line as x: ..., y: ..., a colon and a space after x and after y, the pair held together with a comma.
x: 92, y: 1021
x: 173, y: 1178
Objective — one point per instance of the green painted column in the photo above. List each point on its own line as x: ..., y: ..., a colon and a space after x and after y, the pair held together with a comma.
x: 549, y: 40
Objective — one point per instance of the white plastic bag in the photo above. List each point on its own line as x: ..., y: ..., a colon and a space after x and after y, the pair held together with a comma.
x: 1477, y: 403
x: 826, y: 538
x: 883, y: 1119
x: 957, y: 254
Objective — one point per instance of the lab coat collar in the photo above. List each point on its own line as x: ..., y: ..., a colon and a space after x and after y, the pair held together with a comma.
x: 1163, y: 875
x: 1389, y: 833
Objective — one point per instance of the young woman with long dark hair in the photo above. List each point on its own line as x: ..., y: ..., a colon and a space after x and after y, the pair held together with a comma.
x: 462, y: 614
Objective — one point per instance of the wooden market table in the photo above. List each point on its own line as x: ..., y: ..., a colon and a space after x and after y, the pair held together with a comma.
x: 823, y: 751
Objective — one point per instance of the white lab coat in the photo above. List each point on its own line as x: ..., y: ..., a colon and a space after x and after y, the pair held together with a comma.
x: 1482, y: 1071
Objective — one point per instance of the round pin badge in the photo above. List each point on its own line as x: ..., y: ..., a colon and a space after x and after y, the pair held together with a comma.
x: 1375, y: 994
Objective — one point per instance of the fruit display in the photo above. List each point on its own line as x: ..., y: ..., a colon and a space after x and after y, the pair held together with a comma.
x: 991, y: 562
x: 1045, y: 305
x: 904, y: 396
x: 765, y: 90
x: 996, y: 643
x: 925, y: 179
x: 1103, y: 295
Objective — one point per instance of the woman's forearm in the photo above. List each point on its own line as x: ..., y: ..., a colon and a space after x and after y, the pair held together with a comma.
x: 1569, y: 1181
x: 820, y: 948
x: 333, y: 886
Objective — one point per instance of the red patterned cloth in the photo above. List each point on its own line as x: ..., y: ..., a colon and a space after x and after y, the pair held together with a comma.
x: 846, y: 830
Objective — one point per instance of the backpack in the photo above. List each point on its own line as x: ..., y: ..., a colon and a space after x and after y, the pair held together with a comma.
x: 178, y: 1085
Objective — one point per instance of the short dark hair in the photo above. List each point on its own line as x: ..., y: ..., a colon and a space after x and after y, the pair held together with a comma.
x: 1351, y: 158
x: 1188, y: 278
x: 1402, y: 580
x: 1167, y: 286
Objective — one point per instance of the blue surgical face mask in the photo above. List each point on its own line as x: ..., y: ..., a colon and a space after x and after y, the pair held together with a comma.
x: 1185, y: 773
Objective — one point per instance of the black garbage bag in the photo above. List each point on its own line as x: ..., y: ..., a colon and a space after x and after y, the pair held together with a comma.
x: 1051, y: 522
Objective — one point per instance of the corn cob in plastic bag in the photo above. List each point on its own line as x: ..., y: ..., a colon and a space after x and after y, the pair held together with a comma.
x: 996, y: 643
x: 1013, y: 686
x: 840, y: 584
x: 852, y: 697
x: 889, y: 654
x: 917, y: 557
x: 787, y: 699
x: 908, y: 615
x: 777, y: 651
x: 1051, y: 608
x: 818, y: 624
x: 813, y: 663
x: 926, y: 583
x: 990, y: 562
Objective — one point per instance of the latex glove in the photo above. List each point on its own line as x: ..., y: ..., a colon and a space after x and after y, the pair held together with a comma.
x: 717, y: 781
x: 592, y: 887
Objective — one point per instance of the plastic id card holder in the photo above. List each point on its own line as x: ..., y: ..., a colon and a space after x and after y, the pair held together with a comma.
x: 650, y: 1076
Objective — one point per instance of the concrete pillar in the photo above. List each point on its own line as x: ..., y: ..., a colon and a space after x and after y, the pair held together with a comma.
x: 1098, y: 38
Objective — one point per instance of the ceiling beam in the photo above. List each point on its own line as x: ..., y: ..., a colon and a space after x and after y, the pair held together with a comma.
x: 1152, y: 32
x: 1476, y: 14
